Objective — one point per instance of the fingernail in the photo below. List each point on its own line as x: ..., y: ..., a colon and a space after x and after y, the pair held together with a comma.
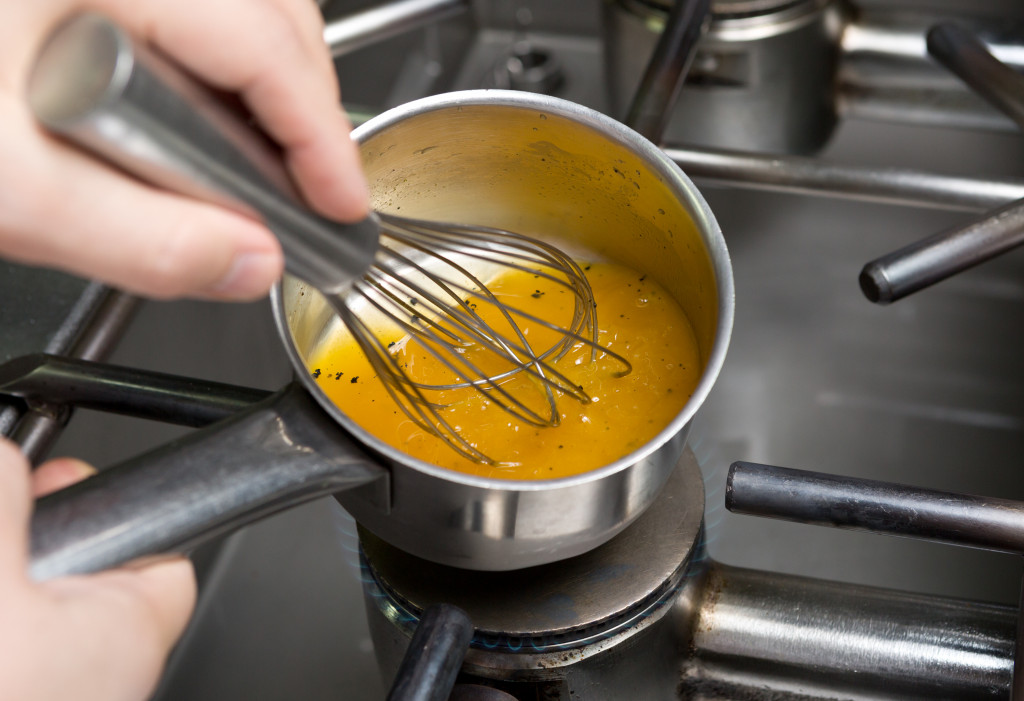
x: 83, y: 468
x: 80, y: 468
x: 250, y: 276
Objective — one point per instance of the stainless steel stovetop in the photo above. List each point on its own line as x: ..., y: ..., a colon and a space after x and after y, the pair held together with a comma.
x: 928, y: 391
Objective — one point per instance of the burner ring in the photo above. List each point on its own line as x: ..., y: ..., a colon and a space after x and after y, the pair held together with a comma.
x: 563, y: 605
x: 405, y: 615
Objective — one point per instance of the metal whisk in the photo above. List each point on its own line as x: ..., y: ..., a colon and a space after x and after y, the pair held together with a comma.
x: 97, y: 87
x: 418, y: 286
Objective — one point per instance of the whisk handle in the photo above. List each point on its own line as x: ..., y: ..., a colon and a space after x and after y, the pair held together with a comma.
x: 98, y: 88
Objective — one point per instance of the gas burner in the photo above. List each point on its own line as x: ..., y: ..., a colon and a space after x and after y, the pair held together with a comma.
x: 563, y: 625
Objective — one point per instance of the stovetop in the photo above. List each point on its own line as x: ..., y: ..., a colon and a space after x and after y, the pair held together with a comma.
x: 928, y: 391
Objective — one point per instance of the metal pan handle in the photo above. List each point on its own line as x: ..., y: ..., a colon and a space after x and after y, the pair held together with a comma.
x: 282, y: 452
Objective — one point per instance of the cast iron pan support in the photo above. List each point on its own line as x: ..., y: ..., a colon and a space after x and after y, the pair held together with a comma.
x: 666, y: 70
x: 42, y: 379
x: 933, y: 259
x: 434, y: 656
x: 883, y: 507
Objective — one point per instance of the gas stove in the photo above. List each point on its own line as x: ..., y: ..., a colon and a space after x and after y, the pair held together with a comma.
x: 863, y: 148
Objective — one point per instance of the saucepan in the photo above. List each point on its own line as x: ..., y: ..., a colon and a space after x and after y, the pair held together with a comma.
x: 514, y: 160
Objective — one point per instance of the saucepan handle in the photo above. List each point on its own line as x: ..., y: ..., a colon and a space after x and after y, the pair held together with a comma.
x: 281, y: 452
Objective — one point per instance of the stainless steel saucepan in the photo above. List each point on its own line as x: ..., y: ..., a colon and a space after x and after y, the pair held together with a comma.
x: 525, y: 162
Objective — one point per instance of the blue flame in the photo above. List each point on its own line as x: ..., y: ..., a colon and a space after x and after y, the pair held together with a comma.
x: 346, y: 538
x: 715, y: 472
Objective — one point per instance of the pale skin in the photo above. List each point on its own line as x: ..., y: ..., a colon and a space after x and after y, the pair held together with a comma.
x: 105, y: 637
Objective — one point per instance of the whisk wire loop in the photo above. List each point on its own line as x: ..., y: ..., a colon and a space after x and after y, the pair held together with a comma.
x: 407, y: 396
x: 521, y: 357
x: 425, y: 286
x: 449, y: 357
x: 509, y: 250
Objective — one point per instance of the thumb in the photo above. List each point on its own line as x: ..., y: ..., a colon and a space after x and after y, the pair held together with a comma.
x: 15, y: 508
x: 59, y: 473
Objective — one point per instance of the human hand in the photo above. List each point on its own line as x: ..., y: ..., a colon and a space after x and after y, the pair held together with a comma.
x: 63, y: 209
x: 98, y: 637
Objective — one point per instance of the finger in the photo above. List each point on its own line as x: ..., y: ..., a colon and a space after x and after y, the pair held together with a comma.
x: 117, y: 627
x: 267, y: 64
x: 59, y: 207
x: 59, y: 473
x: 310, y: 23
x: 15, y: 507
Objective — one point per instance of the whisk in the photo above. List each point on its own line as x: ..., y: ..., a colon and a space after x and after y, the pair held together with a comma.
x: 97, y: 87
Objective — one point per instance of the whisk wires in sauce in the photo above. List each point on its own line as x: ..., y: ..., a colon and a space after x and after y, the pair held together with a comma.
x: 428, y: 286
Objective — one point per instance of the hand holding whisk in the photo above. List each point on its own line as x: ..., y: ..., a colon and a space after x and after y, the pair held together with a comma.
x: 96, y: 87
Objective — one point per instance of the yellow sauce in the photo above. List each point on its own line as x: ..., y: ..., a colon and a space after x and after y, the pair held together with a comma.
x: 637, y: 319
